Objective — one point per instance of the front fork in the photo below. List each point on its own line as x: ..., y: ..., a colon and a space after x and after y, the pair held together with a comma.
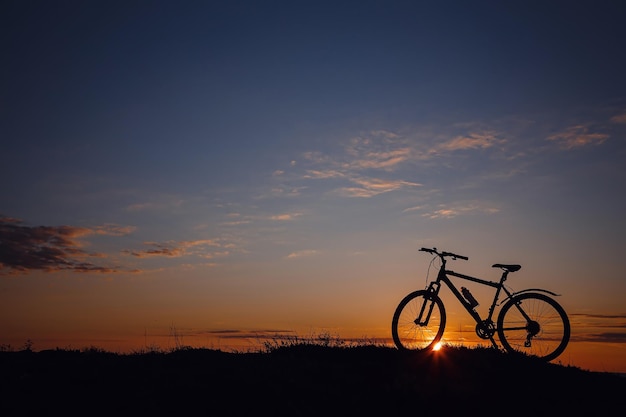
x: 427, y: 306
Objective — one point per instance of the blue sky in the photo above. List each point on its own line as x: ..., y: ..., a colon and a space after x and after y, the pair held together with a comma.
x: 292, y: 157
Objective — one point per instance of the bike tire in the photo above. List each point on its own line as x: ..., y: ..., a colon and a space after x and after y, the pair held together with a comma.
x: 549, y: 323
x: 409, y: 335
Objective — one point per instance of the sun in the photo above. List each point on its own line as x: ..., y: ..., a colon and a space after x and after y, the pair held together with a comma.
x: 437, y: 346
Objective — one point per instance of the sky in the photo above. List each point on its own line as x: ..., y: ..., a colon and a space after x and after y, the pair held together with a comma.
x: 223, y: 173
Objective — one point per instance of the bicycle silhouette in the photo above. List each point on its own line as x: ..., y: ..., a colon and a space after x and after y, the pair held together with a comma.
x: 530, y: 321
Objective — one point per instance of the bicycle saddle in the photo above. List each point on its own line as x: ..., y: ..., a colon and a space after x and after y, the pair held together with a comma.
x: 510, y: 268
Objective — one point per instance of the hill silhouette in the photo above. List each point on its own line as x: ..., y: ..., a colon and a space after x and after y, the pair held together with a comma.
x: 300, y: 380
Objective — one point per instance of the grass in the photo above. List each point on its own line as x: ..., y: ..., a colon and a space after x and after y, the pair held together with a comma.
x: 297, y: 376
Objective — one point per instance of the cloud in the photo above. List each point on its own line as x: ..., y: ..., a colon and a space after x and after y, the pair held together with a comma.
x: 324, y: 174
x: 166, y: 204
x: 114, y: 230
x: 414, y: 208
x: 158, y: 249
x: 600, y: 337
x: 607, y: 337
x: 379, y: 150
x: 287, y: 191
x: 370, y: 164
x: 600, y: 316
x: 383, y: 153
x: 449, y: 212
x: 50, y: 248
x: 235, y: 219
x: 355, y: 192
x: 238, y: 334
x: 370, y: 187
x: 174, y: 249
x: 302, y: 253
x: 285, y: 216
x: 577, y: 137
x: 620, y: 118
x: 236, y: 223
x: 474, y: 140
x: 593, y: 327
x: 382, y: 160
x: 375, y: 151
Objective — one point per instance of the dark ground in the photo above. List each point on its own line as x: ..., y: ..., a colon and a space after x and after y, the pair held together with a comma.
x: 301, y: 381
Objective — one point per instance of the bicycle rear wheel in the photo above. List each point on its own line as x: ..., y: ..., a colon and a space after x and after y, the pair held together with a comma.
x: 534, y: 324
x: 419, y: 321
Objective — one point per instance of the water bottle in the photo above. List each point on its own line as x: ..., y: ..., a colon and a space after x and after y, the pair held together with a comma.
x: 469, y: 297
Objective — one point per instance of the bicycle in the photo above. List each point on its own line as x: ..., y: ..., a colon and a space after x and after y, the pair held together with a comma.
x: 530, y: 321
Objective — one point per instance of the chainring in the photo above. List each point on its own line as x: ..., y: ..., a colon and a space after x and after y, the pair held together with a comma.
x: 485, y: 329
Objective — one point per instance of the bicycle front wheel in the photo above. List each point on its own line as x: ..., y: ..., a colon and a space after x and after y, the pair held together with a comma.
x: 419, y: 321
x: 534, y: 324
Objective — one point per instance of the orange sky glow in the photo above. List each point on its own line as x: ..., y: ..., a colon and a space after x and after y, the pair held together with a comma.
x: 231, y: 174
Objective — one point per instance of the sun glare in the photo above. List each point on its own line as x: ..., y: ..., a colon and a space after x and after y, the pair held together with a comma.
x: 437, y: 346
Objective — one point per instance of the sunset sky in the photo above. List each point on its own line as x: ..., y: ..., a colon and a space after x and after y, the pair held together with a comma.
x: 211, y: 173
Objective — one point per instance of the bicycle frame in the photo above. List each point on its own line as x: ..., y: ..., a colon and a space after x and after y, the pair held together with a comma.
x: 484, y: 325
x: 443, y: 276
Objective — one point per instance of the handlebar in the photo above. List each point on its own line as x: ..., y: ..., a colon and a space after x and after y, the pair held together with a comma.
x: 443, y: 254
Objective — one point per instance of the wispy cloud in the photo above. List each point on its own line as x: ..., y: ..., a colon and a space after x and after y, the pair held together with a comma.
x: 236, y: 222
x: 374, y: 163
x: 414, y: 208
x: 603, y: 328
x: 285, y: 216
x: 381, y: 162
x: 377, y: 150
x: 302, y: 253
x: 577, y: 137
x: 155, y: 205
x: 370, y: 187
x: 474, y: 140
x: 235, y: 219
x: 451, y: 211
x: 177, y: 249
x: 364, y: 165
x: 602, y: 316
x: 605, y: 337
x: 114, y: 230
x: 287, y: 191
x: 619, y: 118
x: 262, y: 334
x: 324, y: 174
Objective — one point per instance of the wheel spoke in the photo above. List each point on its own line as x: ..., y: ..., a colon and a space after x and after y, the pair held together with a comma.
x: 546, y: 335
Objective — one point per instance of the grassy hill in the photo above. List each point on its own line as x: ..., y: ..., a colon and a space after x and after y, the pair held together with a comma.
x: 300, y: 380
